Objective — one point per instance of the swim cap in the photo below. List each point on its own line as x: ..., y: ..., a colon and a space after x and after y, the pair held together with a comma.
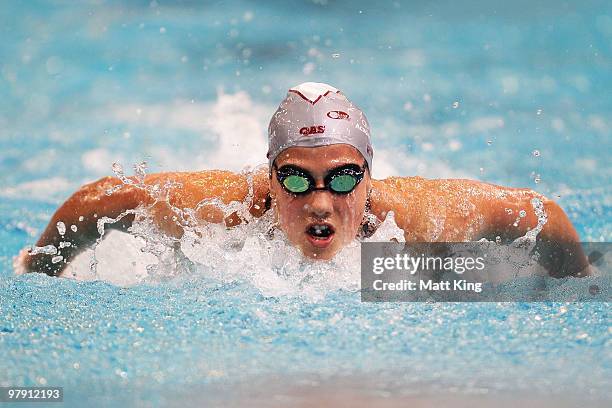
x: 315, y: 114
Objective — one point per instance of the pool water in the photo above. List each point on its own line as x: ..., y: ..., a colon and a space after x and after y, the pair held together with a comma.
x: 510, y: 94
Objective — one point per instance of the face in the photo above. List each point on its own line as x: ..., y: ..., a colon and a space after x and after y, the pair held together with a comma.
x: 320, y: 222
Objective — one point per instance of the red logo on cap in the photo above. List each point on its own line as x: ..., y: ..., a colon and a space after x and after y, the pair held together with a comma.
x: 309, y: 130
x: 337, y: 115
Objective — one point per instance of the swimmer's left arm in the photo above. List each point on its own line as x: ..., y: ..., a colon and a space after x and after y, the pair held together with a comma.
x: 511, y: 213
x: 457, y: 210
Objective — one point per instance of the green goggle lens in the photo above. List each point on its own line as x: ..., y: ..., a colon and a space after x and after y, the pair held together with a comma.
x: 296, y: 184
x: 343, y: 183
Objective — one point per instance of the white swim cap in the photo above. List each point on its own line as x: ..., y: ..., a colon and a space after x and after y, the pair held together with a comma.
x: 315, y: 114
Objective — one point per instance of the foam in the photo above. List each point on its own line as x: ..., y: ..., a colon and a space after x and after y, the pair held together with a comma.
x: 121, y: 261
x: 46, y: 189
x: 234, y: 123
x: 255, y: 251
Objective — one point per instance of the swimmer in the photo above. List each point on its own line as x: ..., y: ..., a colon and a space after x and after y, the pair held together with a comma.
x: 318, y: 184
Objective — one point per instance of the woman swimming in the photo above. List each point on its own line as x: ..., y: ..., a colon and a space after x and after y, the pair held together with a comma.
x: 319, y: 185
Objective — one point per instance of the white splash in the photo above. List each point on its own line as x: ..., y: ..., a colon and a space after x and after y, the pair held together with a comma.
x: 255, y: 251
x: 233, y: 129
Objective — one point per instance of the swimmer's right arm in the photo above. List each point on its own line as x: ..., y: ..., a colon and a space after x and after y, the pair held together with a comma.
x: 79, y: 215
x: 81, y: 212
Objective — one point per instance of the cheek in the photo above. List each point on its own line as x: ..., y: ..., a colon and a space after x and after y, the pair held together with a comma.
x: 351, y: 210
x: 290, y: 211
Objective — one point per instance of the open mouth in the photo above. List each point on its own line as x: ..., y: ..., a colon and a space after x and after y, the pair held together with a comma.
x: 320, y: 231
x: 320, y: 234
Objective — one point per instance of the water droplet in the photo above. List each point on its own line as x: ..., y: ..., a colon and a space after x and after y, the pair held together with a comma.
x: 141, y: 171
x: 73, y: 227
x: 482, y: 170
x: 114, y: 189
x: 539, y: 112
x: 537, y: 179
x: 508, y: 211
x: 81, y: 218
x: 336, y: 55
x: 117, y: 169
x: 162, y: 30
x: 61, y: 227
x: 56, y: 259
x: 523, y: 213
x: 47, y: 249
x: 489, y: 142
x: 536, y: 153
x: 455, y: 105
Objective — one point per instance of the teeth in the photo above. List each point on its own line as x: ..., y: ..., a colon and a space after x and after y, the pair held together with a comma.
x: 320, y: 230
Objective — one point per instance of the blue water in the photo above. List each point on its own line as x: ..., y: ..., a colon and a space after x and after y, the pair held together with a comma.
x: 509, y: 94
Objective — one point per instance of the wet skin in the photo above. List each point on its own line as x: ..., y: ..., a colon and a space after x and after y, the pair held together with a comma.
x: 451, y: 210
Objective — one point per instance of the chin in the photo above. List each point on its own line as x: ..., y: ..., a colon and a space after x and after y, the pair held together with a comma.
x: 320, y: 255
x: 326, y: 256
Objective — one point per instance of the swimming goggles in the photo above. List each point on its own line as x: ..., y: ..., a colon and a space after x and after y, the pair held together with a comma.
x: 341, y: 180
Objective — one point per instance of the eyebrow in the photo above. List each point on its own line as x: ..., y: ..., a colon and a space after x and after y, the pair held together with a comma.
x: 295, y: 166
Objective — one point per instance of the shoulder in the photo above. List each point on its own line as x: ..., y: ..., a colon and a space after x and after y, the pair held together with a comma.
x: 446, y: 188
x: 451, y: 209
x: 421, y: 190
x: 187, y: 189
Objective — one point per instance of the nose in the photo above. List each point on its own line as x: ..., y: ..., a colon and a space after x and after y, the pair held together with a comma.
x: 321, y: 204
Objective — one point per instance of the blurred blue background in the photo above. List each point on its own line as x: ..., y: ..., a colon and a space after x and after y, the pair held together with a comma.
x: 512, y: 94
x: 515, y: 93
